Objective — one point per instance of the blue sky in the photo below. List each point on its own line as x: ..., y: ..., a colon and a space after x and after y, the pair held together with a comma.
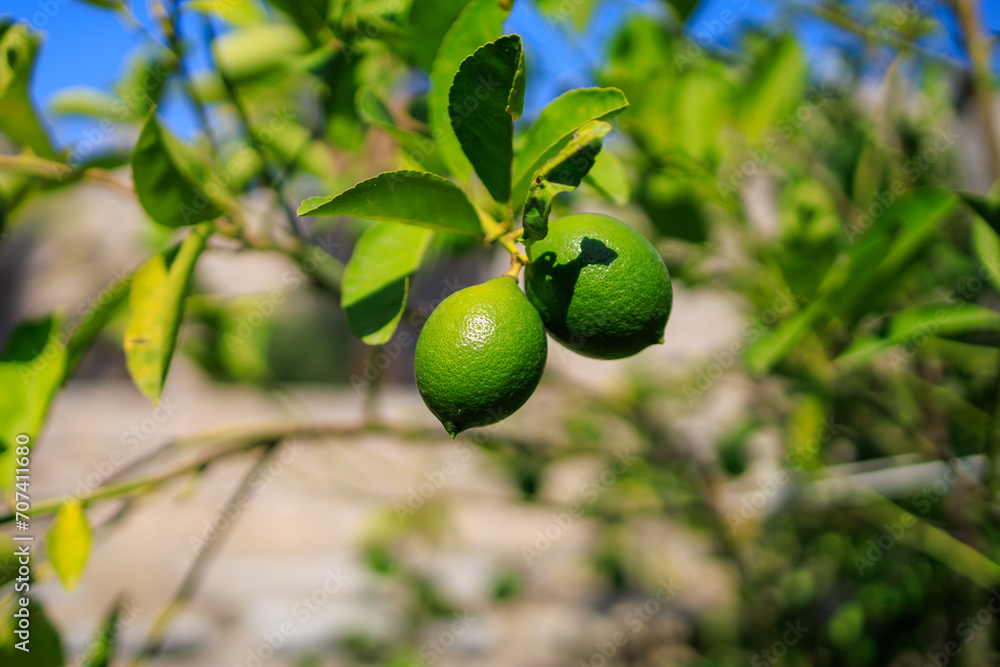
x: 86, y: 45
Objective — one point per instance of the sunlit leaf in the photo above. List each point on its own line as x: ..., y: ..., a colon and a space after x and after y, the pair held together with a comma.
x: 169, y: 181
x: 32, y: 368
x: 68, y: 543
x: 156, y: 304
x: 18, y: 48
x: 480, y: 22
x: 486, y: 97
x: 556, y: 124
x: 411, y: 197
x: 377, y: 278
x: 563, y: 173
x: 429, y: 21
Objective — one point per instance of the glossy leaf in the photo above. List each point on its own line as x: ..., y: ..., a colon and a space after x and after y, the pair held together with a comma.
x: 411, y: 197
x: 486, y: 97
x: 429, y: 21
x: 18, y: 120
x: 156, y: 305
x: 169, y: 180
x: 480, y: 22
x: 68, y: 543
x: 31, y: 370
x: 376, y: 280
x: 556, y: 124
x: 563, y: 173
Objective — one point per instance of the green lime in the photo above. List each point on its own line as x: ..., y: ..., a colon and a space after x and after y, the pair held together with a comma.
x: 480, y: 355
x: 601, y: 288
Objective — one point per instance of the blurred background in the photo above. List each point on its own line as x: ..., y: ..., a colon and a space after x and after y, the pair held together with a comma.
x: 805, y: 473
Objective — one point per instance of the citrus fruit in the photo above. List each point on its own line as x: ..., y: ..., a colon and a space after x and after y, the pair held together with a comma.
x: 480, y: 355
x: 601, y: 288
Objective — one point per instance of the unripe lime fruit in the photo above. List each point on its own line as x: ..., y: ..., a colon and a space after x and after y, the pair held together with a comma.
x: 480, y: 355
x: 601, y: 288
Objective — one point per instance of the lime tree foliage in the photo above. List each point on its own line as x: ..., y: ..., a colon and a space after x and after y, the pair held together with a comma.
x: 851, y: 502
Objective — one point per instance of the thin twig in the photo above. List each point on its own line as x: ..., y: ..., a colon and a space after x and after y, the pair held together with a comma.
x: 158, y: 633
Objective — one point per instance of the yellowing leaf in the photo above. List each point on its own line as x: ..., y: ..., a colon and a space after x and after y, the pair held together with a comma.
x: 68, y: 543
x: 156, y: 303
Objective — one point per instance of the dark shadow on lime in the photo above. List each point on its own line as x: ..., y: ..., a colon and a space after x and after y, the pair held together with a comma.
x: 560, y: 279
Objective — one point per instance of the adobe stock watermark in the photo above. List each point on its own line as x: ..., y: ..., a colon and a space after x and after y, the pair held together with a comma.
x: 217, y: 182
x: 897, y: 16
x: 260, y: 480
x: 923, y: 501
x: 122, y: 107
x: 773, y: 139
x: 775, y: 653
x: 754, y: 502
x: 86, y: 312
x: 420, y: 494
x: 967, y: 630
x: 964, y: 292
x: 783, y: 304
x: 589, y: 493
x: 302, y: 611
x: 914, y: 168
x: 130, y: 441
x: 635, y: 620
x: 265, y: 305
x: 432, y: 650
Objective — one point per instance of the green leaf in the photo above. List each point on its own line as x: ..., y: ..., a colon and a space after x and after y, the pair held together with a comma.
x: 775, y: 345
x: 921, y: 322
x: 563, y: 173
x: 485, y: 98
x: 68, y: 543
x: 101, y: 651
x: 429, y: 21
x: 411, y: 197
x: 480, y: 22
x: 376, y: 280
x: 45, y: 645
x: 986, y: 244
x: 156, y: 304
x: 556, y: 124
x: 608, y: 177
x: 776, y: 85
x: 31, y: 370
x: 18, y: 48
x: 986, y: 207
x: 169, y: 179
